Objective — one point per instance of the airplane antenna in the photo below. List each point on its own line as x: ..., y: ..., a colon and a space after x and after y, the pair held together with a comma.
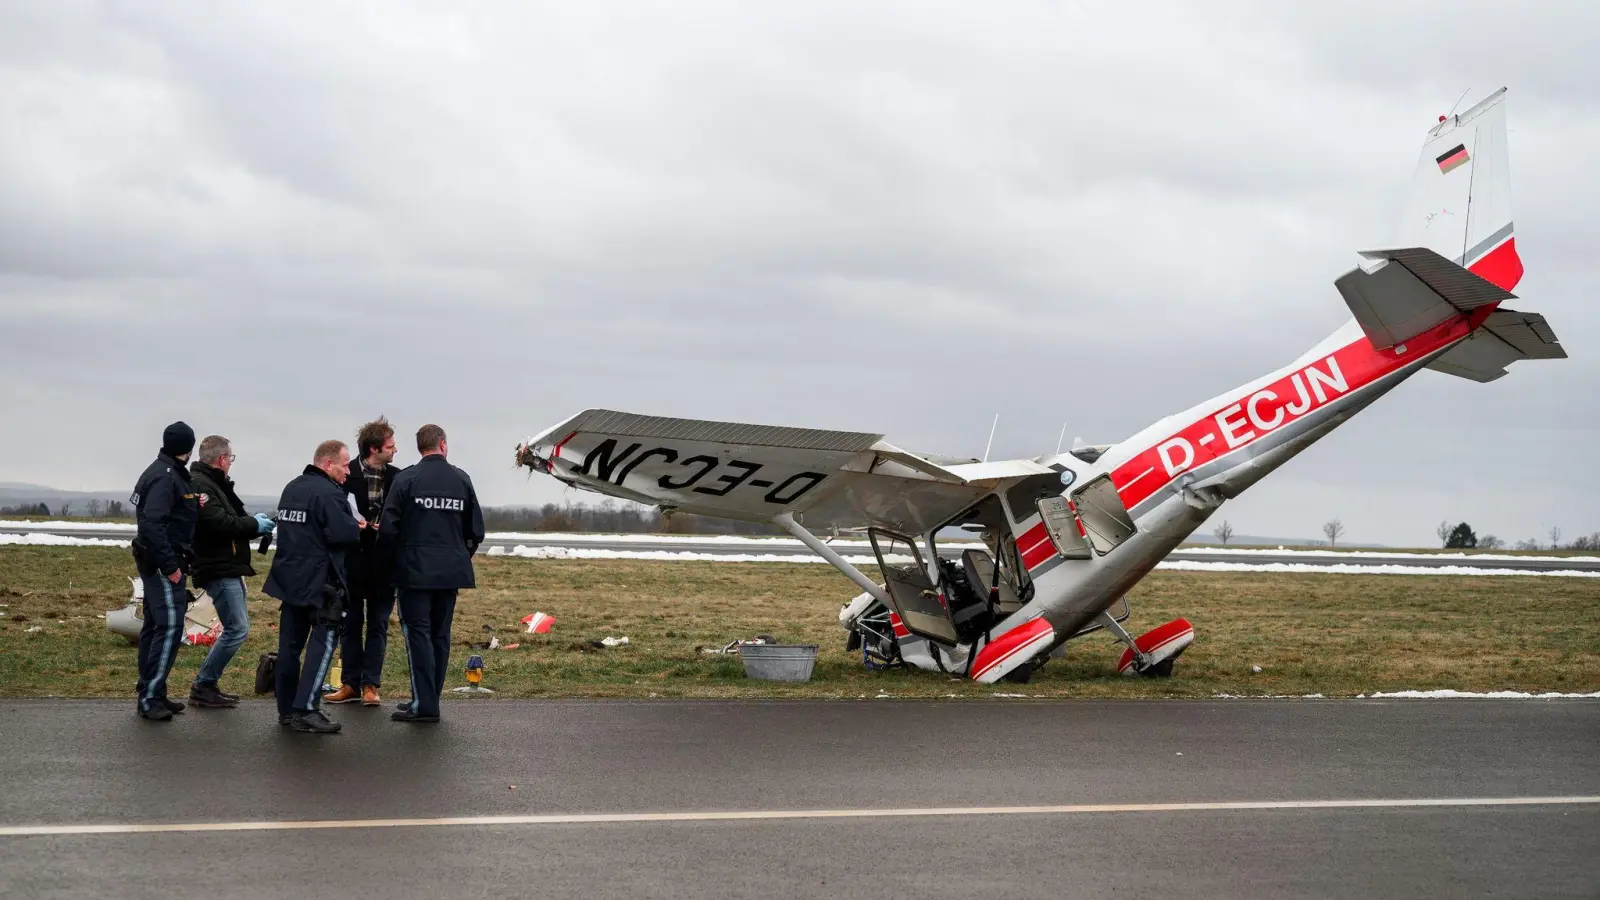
x: 1061, y: 438
x: 1466, y: 237
x: 990, y: 445
x: 1458, y: 101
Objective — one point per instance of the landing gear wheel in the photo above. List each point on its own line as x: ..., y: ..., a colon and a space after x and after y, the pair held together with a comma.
x: 1020, y: 675
x: 1161, y: 669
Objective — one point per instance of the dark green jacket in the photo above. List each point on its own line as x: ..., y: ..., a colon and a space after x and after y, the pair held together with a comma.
x: 225, y: 535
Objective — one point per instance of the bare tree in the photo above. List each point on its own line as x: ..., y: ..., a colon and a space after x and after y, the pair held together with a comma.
x: 1555, y: 537
x: 1334, y: 529
x: 1490, y: 542
x: 1224, y: 532
x: 1443, y: 531
x: 95, y: 508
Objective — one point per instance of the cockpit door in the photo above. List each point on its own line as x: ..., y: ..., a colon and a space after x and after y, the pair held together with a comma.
x: 917, y: 600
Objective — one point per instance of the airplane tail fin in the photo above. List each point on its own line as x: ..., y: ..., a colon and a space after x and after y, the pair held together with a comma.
x: 1460, y: 201
x: 1457, y: 254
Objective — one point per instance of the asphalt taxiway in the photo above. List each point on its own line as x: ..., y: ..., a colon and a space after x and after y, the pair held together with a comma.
x: 872, y: 798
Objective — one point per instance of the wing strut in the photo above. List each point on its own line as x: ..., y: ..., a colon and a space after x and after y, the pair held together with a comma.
x: 786, y: 520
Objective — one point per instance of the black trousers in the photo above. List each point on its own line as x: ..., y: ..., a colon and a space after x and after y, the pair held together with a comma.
x: 160, y: 635
x: 362, y: 654
x: 299, y: 687
x: 425, y: 618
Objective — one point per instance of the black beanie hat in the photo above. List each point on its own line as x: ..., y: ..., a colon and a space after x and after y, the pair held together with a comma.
x: 177, y: 440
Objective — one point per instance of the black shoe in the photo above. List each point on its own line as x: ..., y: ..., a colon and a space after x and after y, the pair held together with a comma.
x: 313, y: 722
x: 406, y: 715
x: 208, y: 696
x: 175, y: 706
x: 285, y: 720
x: 403, y: 706
x: 231, y: 698
x: 156, y: 714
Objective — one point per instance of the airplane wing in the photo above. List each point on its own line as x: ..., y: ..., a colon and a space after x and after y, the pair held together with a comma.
x: 828, y: 479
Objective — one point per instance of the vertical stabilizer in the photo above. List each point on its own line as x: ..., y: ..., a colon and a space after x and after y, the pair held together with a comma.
x: 1460, y: 203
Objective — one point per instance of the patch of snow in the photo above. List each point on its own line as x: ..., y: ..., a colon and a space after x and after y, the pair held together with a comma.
x: 56, y: 540
x: 1011, y: 696
x: 542, y: 552
x: 59, y: 525
x: 664, y: 555
x: 1374, y: 554
x: 1422, y: 695
x: 1340, y: 569
x: 1488, y: 695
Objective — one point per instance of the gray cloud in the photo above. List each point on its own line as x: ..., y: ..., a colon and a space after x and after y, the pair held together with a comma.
x: 894, y: 218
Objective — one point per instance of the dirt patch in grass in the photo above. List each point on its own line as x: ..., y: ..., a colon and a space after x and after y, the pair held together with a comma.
x: 1313, y: 633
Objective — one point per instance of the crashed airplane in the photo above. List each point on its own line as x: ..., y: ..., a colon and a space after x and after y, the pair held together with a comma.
x: 1066, y: 535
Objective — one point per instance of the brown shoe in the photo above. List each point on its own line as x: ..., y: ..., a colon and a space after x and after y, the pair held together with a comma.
x: 369, y: 696
x: 345, y: 694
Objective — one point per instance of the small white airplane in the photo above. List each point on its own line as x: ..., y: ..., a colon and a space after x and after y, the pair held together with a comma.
x: 1066, y: 535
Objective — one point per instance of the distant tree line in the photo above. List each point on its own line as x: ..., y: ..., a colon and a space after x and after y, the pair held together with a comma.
x: 94, y: 509
x: 1461, y: 537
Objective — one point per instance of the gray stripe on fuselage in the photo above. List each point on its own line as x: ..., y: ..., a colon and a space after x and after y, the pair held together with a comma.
x: 1480, y: 249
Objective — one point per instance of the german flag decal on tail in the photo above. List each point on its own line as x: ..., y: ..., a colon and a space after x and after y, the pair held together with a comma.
x: 1453, y: 159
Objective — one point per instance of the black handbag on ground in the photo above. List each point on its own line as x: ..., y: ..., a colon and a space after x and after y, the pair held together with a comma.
x: 267, y: 673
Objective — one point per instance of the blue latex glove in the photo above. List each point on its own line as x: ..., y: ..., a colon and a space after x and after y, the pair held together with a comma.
x: 264, y: 525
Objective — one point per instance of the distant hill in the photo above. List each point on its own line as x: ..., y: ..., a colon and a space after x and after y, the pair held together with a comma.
x: 15, y: 494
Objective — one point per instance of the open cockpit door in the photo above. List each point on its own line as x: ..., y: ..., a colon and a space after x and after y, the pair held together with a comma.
x: 1105, y: 519
x: 917, y: 599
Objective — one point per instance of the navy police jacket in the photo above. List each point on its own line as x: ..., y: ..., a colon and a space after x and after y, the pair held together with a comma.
x: 315, y: 528
x: 431, y: 526
x: 166, y: 510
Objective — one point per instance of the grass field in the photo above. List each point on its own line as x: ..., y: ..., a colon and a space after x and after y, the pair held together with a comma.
x: 1315, y: 633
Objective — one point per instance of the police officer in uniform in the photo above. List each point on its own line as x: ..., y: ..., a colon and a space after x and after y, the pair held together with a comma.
x: 431, y: 526
x: 166, y: 510
x: 315, y: 527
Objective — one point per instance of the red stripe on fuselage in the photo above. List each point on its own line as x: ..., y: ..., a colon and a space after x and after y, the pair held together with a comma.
x: 1301, y: 393
x: 1035, y: 546
x: 1003, y: 647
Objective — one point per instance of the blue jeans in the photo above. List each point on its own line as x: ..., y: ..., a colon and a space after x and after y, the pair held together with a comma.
x: 227, y: 595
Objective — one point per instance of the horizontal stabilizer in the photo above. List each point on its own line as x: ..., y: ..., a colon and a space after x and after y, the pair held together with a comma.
x: 1506, y: 336
x: 1409, y: 291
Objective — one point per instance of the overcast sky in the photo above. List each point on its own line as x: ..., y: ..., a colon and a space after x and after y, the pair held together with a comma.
x: 277, y: 220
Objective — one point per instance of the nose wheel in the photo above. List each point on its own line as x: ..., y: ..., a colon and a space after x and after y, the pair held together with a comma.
x: 1153, y: 653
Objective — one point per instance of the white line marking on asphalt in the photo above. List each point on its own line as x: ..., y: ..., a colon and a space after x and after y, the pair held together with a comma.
x: 783, y: 814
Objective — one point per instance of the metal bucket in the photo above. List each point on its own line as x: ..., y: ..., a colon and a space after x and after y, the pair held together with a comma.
x: 778, y: 662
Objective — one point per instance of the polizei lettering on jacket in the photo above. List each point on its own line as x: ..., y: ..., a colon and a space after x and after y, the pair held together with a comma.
x: 292, y: 515
x: 450, y: 504
x: 1264, y: 411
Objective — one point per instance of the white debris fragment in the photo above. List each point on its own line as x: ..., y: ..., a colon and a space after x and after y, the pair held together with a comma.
x: 1255, y: 668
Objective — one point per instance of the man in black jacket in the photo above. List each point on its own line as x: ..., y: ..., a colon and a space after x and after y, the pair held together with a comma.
x: 222, y: 543
x: 315, y: 528
x: 165, y: 508
x: 371, y: 588
x: 431, y: 527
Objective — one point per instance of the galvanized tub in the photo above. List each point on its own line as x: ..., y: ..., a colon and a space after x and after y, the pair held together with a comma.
x: 778, y: 662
